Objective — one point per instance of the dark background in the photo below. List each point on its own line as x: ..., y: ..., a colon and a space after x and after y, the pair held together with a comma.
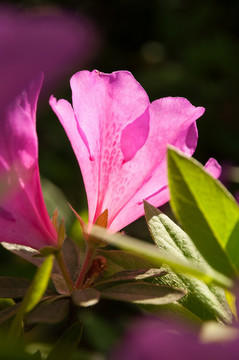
x: 185, y: 48
x: 173, y: 48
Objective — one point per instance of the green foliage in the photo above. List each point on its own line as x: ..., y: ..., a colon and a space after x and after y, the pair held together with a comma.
x: 85, y: 297
x: 156, y: 257
x: 142, y: 293
x: 204, y: 301
x: 206, y: 210
x: 67, y: 343
x: 13, y: 287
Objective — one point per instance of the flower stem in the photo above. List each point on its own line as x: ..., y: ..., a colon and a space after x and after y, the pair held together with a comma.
x: 89, y: 255
x: 64, y: 270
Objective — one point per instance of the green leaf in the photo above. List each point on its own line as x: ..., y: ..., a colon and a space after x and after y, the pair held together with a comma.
x: 13, y: 287
x: 8, y: 313
x: 33, y: 295
x: 118, y: 260
x: 157, y: 257
x: 49, y: 311
x: 142, y: 293
x: 206, y: 210
x: 67, y: 343
x: 200, y: 299
x: 71, y: 257
x: 131, y: 275
x: 85, y: 297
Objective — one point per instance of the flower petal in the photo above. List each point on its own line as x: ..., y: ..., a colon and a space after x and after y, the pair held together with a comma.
x: 23, y: 217
x: 103, y: 104
x: 213, y: 167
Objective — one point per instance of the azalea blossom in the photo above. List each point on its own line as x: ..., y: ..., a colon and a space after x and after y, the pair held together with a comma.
x: 120, y: 141
x: 152, y: 339
x: 31, y: 41
x: 23, y: 216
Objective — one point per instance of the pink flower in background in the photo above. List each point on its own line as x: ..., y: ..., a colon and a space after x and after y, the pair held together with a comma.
x: 152, y: 339
x: 23, y: 216
x: 120, y: 140
x: 40, y: 39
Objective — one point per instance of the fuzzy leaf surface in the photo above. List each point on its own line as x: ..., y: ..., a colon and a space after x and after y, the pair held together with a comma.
x: 205, y: 301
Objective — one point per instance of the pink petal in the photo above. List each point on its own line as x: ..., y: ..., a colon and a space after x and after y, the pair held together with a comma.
x: 213, y: 167
x: 23, y: 216
x: 103, y: 104
x: 120, y: 141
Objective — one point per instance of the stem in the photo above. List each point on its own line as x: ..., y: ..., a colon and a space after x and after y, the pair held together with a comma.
x: 64, y: 270
x: 90, y: 252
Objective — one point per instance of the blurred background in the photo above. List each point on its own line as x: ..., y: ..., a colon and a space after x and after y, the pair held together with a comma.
x: 185, y: 48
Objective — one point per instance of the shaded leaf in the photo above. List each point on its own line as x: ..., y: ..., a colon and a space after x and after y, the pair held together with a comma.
x: 13, y: 287
x: 85, y: 297
x: 118, y: 260
x: 142, y: 293
x: 60, y: 284
x: 131, y: 275
x: 206, y: 302
x: 71, y: 256
x: 206, y: 210
x: 49, y: 311
x: 70, y: 253
x: 67, y: 343
x: 8, y: 313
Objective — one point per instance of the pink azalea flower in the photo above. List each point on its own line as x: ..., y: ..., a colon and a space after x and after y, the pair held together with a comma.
x: 120, y: 140
x: 44, y: 39
x: 23, y: 216
x: 152, y: 339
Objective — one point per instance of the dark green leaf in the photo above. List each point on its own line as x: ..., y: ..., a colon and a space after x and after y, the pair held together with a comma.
x: 71, y: 256
x: 67, y: 343
x: 49, y: 311
x: 206, y: 210
x: 85, y: 297
x: 143, y: 293
x: 13, y: 287
x: 131, y: 275
x: 118, y: 260
x: 8, y: 313
x: 60, y: 284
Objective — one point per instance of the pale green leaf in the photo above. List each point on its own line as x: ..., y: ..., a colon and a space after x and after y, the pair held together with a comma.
x: 206, y: 302
x: 33, y: 295
x: 206, y: 210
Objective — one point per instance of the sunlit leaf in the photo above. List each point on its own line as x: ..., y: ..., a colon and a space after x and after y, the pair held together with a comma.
x: 206, y: 210
x: 206, y: 302
x: 157, y: 257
